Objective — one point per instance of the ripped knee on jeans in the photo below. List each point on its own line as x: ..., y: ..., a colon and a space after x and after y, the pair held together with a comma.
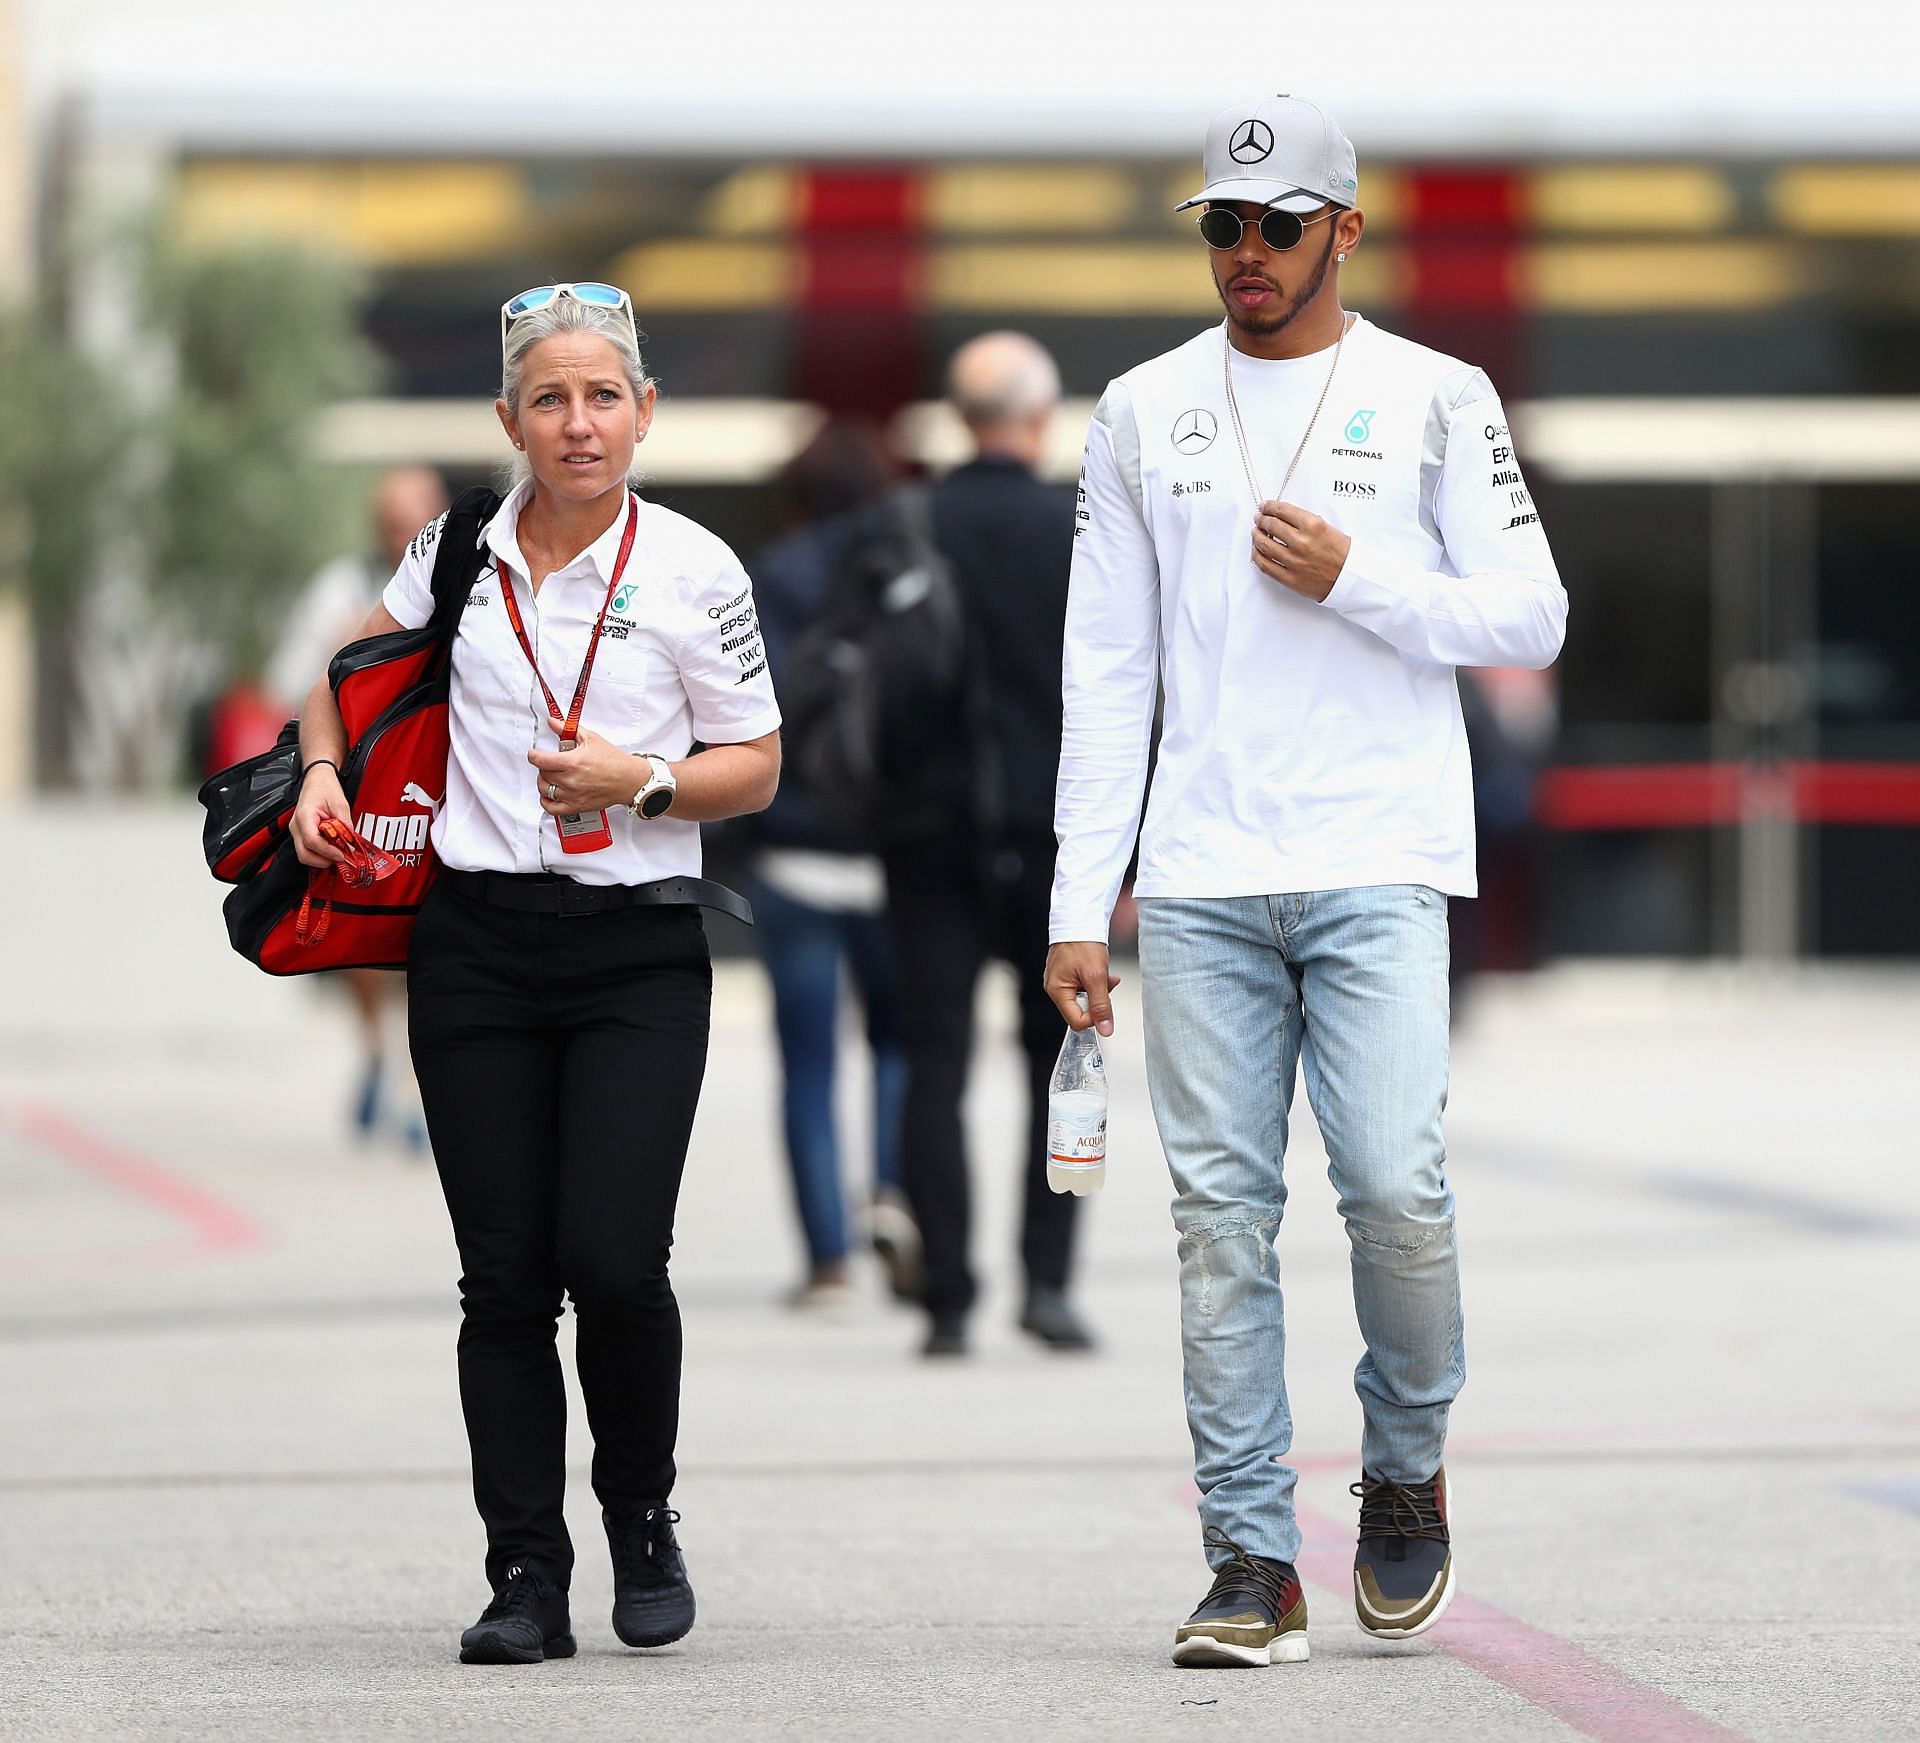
x: 1198, y: 1241
x: 1225, y: 1228
x: 1401, y: 1238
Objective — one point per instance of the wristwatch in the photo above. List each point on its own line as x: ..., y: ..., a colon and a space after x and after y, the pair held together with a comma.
x: 656, y: 796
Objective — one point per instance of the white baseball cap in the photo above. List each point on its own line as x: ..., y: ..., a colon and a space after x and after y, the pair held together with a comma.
x: 1280, y: 151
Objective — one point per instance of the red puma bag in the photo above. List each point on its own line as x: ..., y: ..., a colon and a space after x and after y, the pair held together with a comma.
x: 393, y: 692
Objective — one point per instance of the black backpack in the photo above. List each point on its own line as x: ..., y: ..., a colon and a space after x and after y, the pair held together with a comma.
x: 879, y: 696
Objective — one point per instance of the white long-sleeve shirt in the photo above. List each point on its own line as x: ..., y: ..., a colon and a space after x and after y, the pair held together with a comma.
x: 1305, y: 746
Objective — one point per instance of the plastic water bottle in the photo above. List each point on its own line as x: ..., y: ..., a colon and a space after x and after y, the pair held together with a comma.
x: 1077, y: 1115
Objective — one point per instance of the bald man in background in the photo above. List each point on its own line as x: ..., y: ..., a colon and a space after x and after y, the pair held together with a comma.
x: 980, y: 889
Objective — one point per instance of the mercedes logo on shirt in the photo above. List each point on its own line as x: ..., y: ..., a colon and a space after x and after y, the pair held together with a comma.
x: 1195, y: 430
x: 1252, y: 141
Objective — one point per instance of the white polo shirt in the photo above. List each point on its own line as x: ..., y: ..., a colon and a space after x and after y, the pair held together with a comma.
x: 1305, y: 746
x: 680, y: 660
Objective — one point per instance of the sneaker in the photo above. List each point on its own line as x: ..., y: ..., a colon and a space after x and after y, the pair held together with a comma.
x: 1254, y: 1613
x: 526, y: 1622
x: 829, y: 1295
x: 1049, y: 1316
x: 946, y: 1336
x: 652, y: 1599
x: 896, y: 1239
x: 1403, y: 1568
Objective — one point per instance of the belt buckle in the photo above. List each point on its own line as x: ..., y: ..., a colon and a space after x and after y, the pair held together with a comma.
x: 579, y: 898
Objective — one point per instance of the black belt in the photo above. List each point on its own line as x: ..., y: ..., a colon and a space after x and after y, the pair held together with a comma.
x: 550, y: 893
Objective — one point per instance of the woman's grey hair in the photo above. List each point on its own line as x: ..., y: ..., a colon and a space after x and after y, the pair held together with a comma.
x: 567, y: 315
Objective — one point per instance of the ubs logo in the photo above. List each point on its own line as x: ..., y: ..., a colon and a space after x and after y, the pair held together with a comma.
x: 1193, y: 431
x: 1252, y: 142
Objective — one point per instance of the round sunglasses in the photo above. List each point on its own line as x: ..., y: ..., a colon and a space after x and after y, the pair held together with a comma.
x: 599, y: 296
x: 1221, y: 228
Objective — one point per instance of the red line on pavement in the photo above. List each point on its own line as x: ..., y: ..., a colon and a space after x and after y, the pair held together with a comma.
x: 217, y: 1225
x: 1553, y: 1674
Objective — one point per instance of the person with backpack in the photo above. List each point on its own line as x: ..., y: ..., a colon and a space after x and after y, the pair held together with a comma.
x: 819, y: 900
x: 969, y: 850
x: 559, y: 987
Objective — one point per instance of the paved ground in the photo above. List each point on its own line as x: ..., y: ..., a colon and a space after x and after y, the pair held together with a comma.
x: 232, y: 1496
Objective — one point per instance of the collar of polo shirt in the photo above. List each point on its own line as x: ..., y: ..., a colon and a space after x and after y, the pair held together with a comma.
x: 503, y: 539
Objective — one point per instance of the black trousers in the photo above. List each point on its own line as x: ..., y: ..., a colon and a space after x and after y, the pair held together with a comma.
x: 952, y: 909
x: 560, y: 1061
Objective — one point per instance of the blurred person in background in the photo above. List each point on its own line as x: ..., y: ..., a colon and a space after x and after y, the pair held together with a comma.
x: 326, y: 616
x: 819, y: 901
x: 1299, y: 525
x: 1511, y: 717
x: 978, y: 887
x: 559, y: 986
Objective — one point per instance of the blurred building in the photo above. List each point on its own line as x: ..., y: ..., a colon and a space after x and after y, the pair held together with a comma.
x: 1712, y: 364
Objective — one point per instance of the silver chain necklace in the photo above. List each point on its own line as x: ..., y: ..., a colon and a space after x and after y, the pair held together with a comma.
x: 1240, y: 430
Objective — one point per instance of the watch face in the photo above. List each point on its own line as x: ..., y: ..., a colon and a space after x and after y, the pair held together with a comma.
x: 655, y: 803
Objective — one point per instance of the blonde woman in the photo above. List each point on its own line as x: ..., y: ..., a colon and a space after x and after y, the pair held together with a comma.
x: 559, y: 984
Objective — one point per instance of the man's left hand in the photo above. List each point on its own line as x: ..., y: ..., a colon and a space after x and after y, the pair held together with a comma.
x: 1299, y: 549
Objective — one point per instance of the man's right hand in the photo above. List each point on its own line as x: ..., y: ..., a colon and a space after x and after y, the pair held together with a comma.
x: 321, y: 795
x: 1076, y: 968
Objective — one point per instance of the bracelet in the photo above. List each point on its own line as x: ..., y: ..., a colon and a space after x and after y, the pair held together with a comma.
x: 319, y: 763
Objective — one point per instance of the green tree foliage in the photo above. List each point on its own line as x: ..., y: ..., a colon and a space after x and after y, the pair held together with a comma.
x: 61, y: 426
x: 215, y: 474
x: 264, y: 337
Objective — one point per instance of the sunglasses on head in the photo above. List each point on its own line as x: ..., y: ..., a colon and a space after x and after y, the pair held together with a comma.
x: 599, y: 296
x: 1221, y: 228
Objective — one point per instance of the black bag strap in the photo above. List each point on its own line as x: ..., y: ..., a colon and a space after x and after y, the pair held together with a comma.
x: 461, y: 555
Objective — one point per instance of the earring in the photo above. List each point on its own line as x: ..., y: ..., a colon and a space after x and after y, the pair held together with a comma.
x: 1340, y: 257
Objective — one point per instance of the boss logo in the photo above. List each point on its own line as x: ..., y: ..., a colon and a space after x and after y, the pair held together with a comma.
x: 1352, y: 487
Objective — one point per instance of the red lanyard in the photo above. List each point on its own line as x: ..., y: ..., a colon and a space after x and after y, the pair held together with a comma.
x: 572, y: 723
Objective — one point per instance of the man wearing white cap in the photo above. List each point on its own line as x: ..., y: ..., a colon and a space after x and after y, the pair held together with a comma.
x: 1301, y: 524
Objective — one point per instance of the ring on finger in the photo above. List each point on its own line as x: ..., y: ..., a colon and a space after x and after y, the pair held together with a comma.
x: 553, y: 790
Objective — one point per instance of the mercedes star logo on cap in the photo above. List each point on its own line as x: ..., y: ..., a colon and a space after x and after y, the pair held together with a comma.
x: 1195, y: 430
x: 1252, y: 141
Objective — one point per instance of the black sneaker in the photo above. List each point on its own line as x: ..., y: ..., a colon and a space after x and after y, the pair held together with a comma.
x: 1403, y: 1568
x: 1049, y: 1316
x: 946, y: 1336
x: 526, y: 1622
x: 652, y: 1599
x: 1254, y: 1613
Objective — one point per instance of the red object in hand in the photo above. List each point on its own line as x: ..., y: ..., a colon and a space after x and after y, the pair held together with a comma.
x: 365, y: 864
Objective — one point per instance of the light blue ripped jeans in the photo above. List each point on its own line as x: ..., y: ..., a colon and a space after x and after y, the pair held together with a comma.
x: 1237, y: 990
